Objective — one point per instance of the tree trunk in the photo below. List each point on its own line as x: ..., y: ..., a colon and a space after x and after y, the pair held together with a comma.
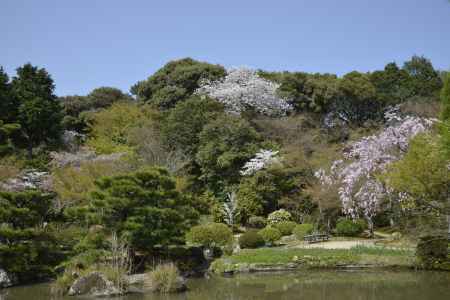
x: 370, y: 225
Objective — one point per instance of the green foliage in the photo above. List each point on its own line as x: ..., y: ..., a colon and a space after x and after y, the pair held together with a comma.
x: 258, y: 195
x: 422, y: 175
x: 257, y: 222
x: 251, y: 239
x: 144, y: 207
x: 6, y: 130
x: 303, y: 229
x: 27, y: 247
x: 278, y: 216
x: 270, y: 235
x: 391, y: 84
x: 74, y: 184
x: 445, y: 116
x: 285, y: 227
x: 357, y: 99
x: 307, y: 92
x: 77, y: 109
x: 210, y: 235
x: 432, y: 250
x: 175, y: 82
x: 226, y: 144
x: 110, y: 128
x: 8, y: 103
x: 186, y: 120
x: 424, y: 79
x: 347, y: 227
x: 39, y: 112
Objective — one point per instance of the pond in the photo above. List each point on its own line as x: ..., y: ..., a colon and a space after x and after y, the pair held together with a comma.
x: 311, y: 285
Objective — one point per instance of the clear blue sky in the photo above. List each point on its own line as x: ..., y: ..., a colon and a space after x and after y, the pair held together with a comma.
x: 90, y: 43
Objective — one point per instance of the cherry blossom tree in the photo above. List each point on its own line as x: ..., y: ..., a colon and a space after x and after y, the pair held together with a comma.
x: 360, y: 192
x: 262, y: 160
x: 243, y: 88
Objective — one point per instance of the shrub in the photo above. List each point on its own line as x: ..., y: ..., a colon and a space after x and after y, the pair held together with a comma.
x: 210, y: 235
x: 347, y: 227
x: 303, y: 229
x: 432, y: 250
x: 163, y: 278
x: 257, y: 222
x: 285, y: 227
x: 279, y: 216
x: 251, y: 239
x: 270, y: 235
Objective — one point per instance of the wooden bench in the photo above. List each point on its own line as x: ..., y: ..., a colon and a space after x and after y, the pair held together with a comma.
x: 316, y: 237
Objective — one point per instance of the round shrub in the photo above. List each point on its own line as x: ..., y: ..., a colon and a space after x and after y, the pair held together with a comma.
x: 270, y: 235
x: 285, y: 227
x: 347, y: 227
x: 210, y: 235
x: 303, y: 229
x: 251, y: 239
x: 257, y: 222
x: 279, y: 216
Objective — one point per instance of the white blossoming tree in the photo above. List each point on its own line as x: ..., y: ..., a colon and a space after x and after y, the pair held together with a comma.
x: 243, y: 88
x: 262, y: 160
x: 360, y: 192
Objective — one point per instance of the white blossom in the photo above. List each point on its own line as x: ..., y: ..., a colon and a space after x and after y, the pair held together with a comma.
x: 262, y: 160
x: 359, y: 190
x: 230, y: 209
x: 243, y: 88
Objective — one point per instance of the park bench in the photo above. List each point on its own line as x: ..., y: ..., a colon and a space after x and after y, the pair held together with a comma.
x: 316, y: 237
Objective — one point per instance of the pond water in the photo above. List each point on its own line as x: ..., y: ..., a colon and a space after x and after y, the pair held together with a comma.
x: 311, y: 285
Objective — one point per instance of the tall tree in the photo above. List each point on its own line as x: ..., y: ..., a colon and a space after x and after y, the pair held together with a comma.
x: 391, y: 84
x: 176, y: 81
x: 425, y: 80
x: 8, y: 107
x: 39, y: 112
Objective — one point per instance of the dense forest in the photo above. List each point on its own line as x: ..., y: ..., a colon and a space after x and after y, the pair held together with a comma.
x: 197, y: 152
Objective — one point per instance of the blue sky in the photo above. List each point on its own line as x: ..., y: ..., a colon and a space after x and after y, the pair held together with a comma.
x: 85, y: 44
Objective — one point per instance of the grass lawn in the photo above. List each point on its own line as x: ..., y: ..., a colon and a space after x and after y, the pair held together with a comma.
x: 320, y: 258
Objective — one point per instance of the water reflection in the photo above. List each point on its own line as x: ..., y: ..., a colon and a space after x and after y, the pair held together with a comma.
x: 311, y: 285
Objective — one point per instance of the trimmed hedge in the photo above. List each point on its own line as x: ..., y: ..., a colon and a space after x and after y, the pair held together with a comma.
x: 250, y: 240
x: 347, y: 227
x: 270, y: 235
x: 285, y: 227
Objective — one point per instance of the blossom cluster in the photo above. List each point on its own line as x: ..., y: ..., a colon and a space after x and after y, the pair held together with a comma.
x: 359, y: 190
x: 262, y: 160
x: 243, y: 88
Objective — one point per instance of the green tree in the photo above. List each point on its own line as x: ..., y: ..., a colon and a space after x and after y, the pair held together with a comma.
x: 78, y: 109
x: 176, y: 81
x: 8, y: 105
x: 111, y: 127
x: 27, y: 247
x: 39, y: 112
x: 424, y: 79
x: 392, y: 84
x: 445, y: 116
x: 182, y: 127
x: 226, y: 144
x: 144, y: 207
x: 422, y: 176
x: 357, y: 99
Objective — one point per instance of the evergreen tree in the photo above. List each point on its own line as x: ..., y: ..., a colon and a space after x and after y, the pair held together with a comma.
x: 143, y: 207
x: 27, y: 247
x: 39, y: 112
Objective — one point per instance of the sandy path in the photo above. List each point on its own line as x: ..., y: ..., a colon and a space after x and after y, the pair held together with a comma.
x: 338, y: 244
